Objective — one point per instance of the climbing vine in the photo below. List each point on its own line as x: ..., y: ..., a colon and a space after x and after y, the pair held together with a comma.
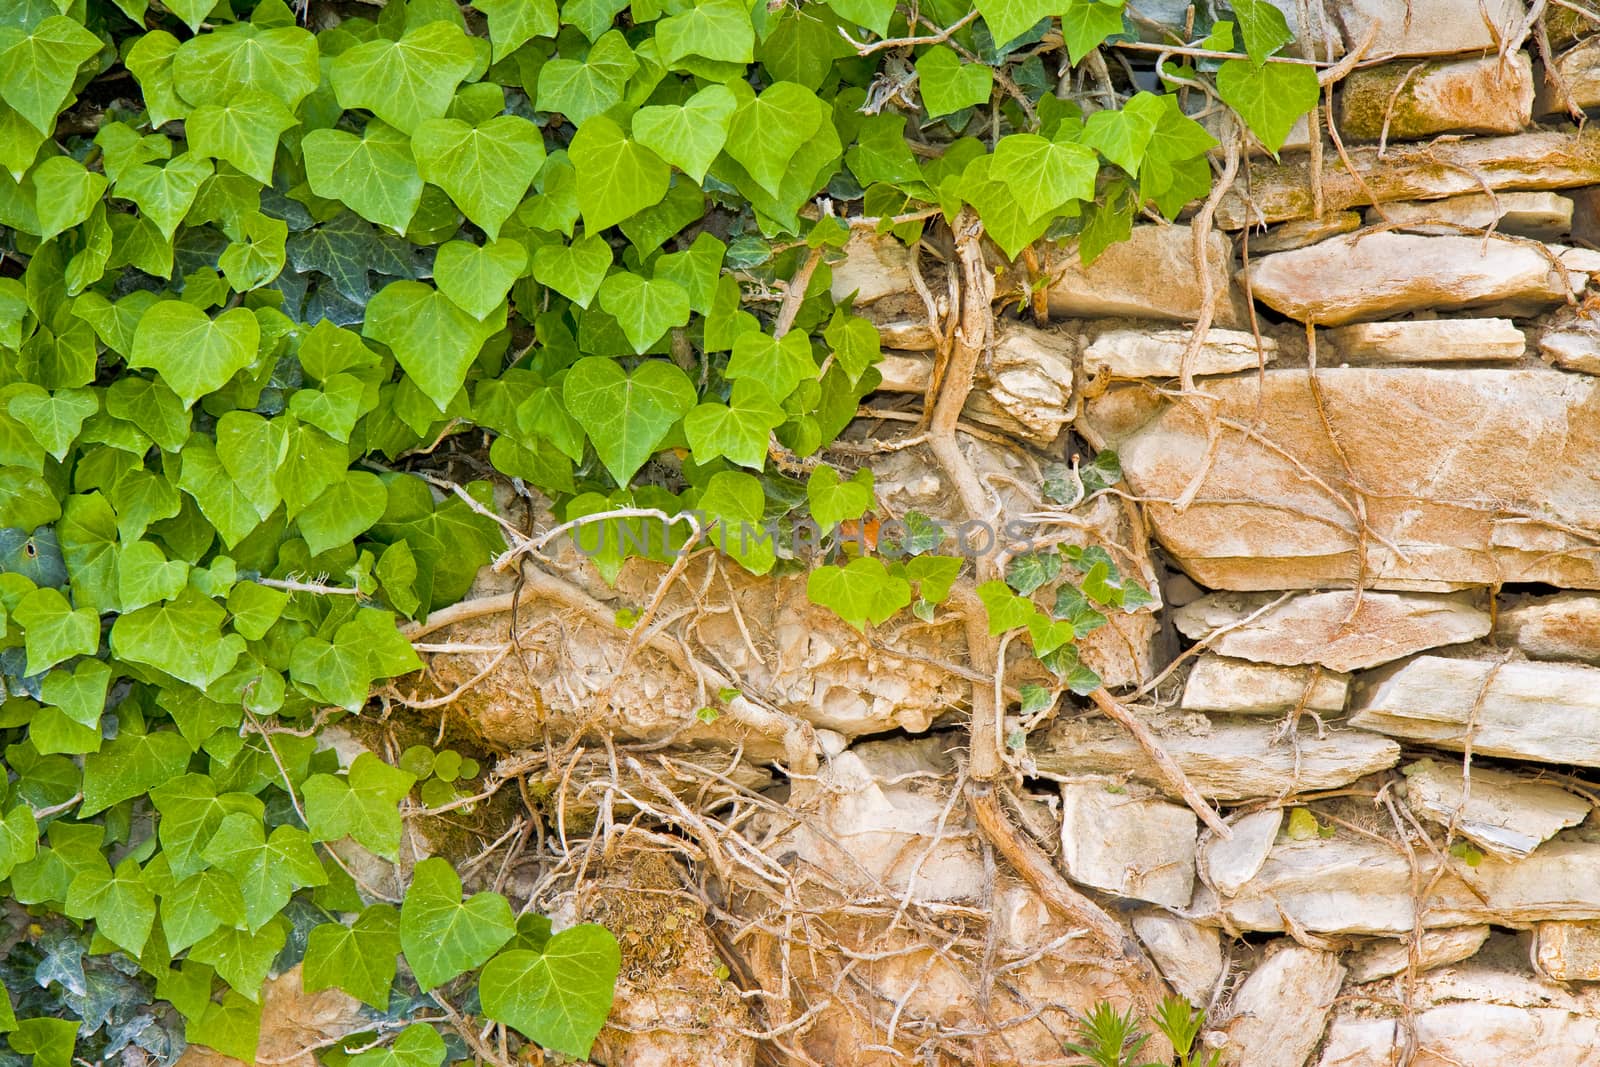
x: 262, y: 266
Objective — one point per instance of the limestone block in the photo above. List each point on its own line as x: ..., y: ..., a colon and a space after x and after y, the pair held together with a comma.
x: 1567, y: 952
x: 1158, y: 353
x: 1131, y: 846
x: 1229, y: 863
x: 1189, y: 955
x: 1543, y: 216
x: 1480, y: 95
x: 1278, y: 1015
x: 1240, y: 687
x: 1429, y: 341
x: 1152, y: 275
x: 1390, y: 956
x: 1563, y: 626
x: 1428, y: 27
x: 1506, y: 814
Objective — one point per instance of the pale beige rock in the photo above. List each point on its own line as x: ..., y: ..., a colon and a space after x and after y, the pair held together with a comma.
x: 1152, y: 275
x: 1474, y: 476
x: 1278, y: 1015
x: 1407, y: 100
x: 1572, y: 344
x: 1506, y: 814
x: 1370, y: 276
x: 1567, y: 952
x: 874, y: 266
x: 1226, y: 759
x: 1579, y: 71
x: 1389, y: 956
x: 1278, y: 191
x: 1189, y: 955
x: 1428, y: 27
x: 1334, y: 630
x: 1240, y: 687
x: 1228, y: 863
x: 1302, y: 232
x: 1429, y: 341
x: 1158, y: 353
x: 1131, y: 846
x: 1563, y: 626
x: 1349, y: 884
x: 1543, y: 216
x: 1538, y: 711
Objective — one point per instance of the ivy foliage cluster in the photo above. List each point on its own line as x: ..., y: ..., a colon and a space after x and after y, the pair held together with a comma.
x: 261, y: 266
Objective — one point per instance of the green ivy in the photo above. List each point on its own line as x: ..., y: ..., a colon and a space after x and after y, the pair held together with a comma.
x: 253, y: 276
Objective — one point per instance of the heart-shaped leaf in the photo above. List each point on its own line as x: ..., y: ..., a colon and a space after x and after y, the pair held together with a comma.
x: 948, y: 85
x: 373, y: 174
x: 582, y: 90
x: 834, y: 500
x: 243, y: 130
x: 738, y: 430
x: 145, y: 575
x: 478, y: 279
x: 644, y: 309
x: 626, y: 416
x: 485, y: 168
x: 407, y: 81
x: 616, y: 177
x: 860, y: 592
x: 193, y: 353
x: 576, y: 270
x: 689, y: 137
x: 37, y: 68
x: 444, y: 936
x: 432, y: 339
x: 559, y: 996
x: 53, y: 419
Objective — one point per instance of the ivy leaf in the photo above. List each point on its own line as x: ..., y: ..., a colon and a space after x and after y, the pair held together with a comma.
x: 1270, y: 98
x: 934, y: 575
x: 691, y: 135
x: 374, y: 175
x: 130, y: 765
x: 834, y: 500
x: 191, y: 810
x: 948, y: 85
x: 1263, y: 27
x: 558, y: 996
x: 431, y: 338
x: 193, y: 353
x: 121, y: 905
x: 225, y: 500
x: 1044, y: 175
x: 244, y: 131
x: 475, y: 278
x: 582, y: 90
x: 38, y: 67
x: 736, y: 504
x: 268, y: 869
x: 50, y: 1042
x: 576, y: 270
x: 444, y: 936
x: 738, y: 430
x: 243, y: 58
x: 1123, y: 134
x: 258, y: 258
x: 1087, y: 23
x: 768, y: 131
x: 199, y: 905
x: 1006, y: 610
x: 485, y: 168
x: 712, y: 29
x: 873, y: 14
x: 350, y: 506
x: 418, y: 1045
x: 359, y: 959
x: 181, y: 637
x: 54, y: 419
x: 407, y: 81
x: 512, y: 23
x: 345, y: 248
x: 145, y: 575
x: 19, y: 842
x: 363, y: 805
x: 626, y: 416
x: 645, y: 309
x: 855, y: 343
x: 1009, y: 19
x: 859, y: 592
x: 1074, y: 607
x: 66, y: 192
x: 1030, y: 570
x: 780, y: 364
x: 164, y: 194
x: 617, y: 177
x: 53, y: 631
x: 243, y: 958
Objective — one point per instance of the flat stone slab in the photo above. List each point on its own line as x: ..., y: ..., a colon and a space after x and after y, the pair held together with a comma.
x: 1406, y: 100
x: 1362, y: 277
x: 1565, y: 626
x: 1543, y: 216
x: 1506, y: 814
x: 1333, y: 630
x: 1567, y: 952
x: 1389, y: 956
x: 1428, y: 27
x: 1549, y: 712
x: 1280, y: 1011
x: 1126, y: 353
x: 1239, y: 687
x: 1226, y: 759
x: 1429, y: 341
x: 1188, y: 955
x: 1152, y: 275
x: 1230, y: 863
x: 1473, y: 476
x: 1135, y: 847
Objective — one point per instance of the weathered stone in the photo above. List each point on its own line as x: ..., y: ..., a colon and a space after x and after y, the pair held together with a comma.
x: 1407, y: 100
x: 1228, y: 863
x: 874, y: 266
x: 1428, y: 27
x: 1277, y: 192
x: 1152, y: 275
x: 1134, y: 847
x: 1577, y: 71
x: 1278, y: 1015
x: 1537, y: 711
x: 294, y: 1023
x: 1158, y: 353
x: 1484, y: 479
x: 1507, y: 814
x: 1302, y: 232
x: 1429, y: 341
x: 1571, y: 341
x: 1337, y: 630
x: 1543, y: 216
x: 1567, y: 952
x: 1563, y: 626
x: 1349, y: 884
x: 1225, y: 759
x: 1390, y: 956
x: 1240, y: 687
x: 1189, y: 955
x: 1369, y: 276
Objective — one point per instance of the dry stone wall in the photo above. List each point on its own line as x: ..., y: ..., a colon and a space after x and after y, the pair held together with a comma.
x: 1368, y: 501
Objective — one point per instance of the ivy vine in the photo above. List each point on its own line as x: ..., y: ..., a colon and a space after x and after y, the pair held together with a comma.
x: 260, y: 264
